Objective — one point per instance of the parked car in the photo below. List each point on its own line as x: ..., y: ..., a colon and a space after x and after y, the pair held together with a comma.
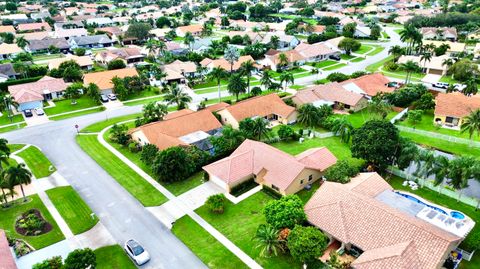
x: 441, y: 85
x: 136, y: 252
x: 39, y: 111
x: 112, y: 96
x: 104, y: 98
x: 394, y: 84
x: 28, y: 113
x: 334, y: 57
x: 459, y: 87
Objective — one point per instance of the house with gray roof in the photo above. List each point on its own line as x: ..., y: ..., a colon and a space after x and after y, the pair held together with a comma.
x: 42, y: 45
x: 93, y: 41
x: 7, y: 72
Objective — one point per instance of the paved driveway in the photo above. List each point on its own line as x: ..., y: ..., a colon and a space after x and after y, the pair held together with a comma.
x: 122, y: 214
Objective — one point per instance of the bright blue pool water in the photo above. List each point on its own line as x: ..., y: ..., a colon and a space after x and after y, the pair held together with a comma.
x: 457, y: 215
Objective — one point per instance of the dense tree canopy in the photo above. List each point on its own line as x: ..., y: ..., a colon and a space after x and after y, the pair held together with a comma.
x: 285, y: 212
x: 306, y: 243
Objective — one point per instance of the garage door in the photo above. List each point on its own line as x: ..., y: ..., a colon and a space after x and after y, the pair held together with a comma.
x: 30, y: 105
x: 435, y: 71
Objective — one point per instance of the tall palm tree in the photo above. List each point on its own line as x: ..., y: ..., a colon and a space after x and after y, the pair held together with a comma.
x: 22, y: 42
x: 471, y: 124
x: 231, y: 55
x: 188, y: 40
x: 247, y: 68
x: 236, y: 85
x: 4, y: 159
x: 343, y: 128
x: 282, y: 60
x: 411, y: 35
x: 20, y: 176
x: 266, y: 239
x: 286, y: 77
x: 425, y: 163
x: 274, y: 41
x: 440, y: 169
x: 217, y: 74
x: 308, y: 115
x: 409, y: 67
x: 151, y: 46
x: 396, y: 51
x: 260, y: 128
x: 176, y: 95
x: 9, y: 101
x: 266, y: 80
x: 426, y: 57
x: 448, y: 62
x: 460, y: 172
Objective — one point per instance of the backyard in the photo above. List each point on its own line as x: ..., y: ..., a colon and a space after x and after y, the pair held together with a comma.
x: 37, y: 162
x: 73, y: 209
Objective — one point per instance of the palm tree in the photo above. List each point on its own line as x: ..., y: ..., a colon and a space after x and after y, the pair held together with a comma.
x: 266, y: 80
x: 247, y: 68
x: 308, y: 115
x: 176, y: 95
x: 409, y: 67
x: 217, y: 74
x: 460, y: 172
x: 411, y: 36
x: 151, y: 46
x: 161, y: 47
x: 231, y: 55
x: 396, y: 51
x: 4, y: 159
x: 447, y: 62
x: 260, y: 128
x: 471, y: 124
x: 274, y: 41
x: 282, y: 60
x: 379, y: 107
x: 286, y: 77
x: 19, y: 175
x: 9, y: 102
x: 22, y: 42
x: 426, y: 57
x: 188, y: 40
x: 471, y: 87
x: 440, y: 169
x: 236, y: 85
x: 425, y: 163
x: 343, y: 128
x: 266, y: 239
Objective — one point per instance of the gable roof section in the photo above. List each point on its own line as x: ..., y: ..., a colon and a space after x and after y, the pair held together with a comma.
x: 260, y: 106
x: 44, y: 43
x: 313, y: 50
x: 371, y: 84
x: 104, y: 79
x: 34, y: 91
x: 224, y: 64
x: 7, y: 49
x: 7, y: 261
x: 456, y: 104
x: 402, y: 256
x: 332, y: 92
x: 92, y: 39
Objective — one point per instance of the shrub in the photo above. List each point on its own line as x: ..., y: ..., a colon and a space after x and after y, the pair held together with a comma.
x: 256, y: 91
x: 216, y: 203
x: 337, y: 77
x: 390, y: 66
x: 243, y: 187
x: 286, y: 132
x: 285, y: 212
x: 149, y: 152
x: 31, y: 223
x: 341, y: 172
x: 134, y: 147
x: 118, y: 134
x: 116, y: 64
x: 79, y: 51
x: 81, y: 258
x: 271, y: 192
x: 358, y: 74
x: 306, y: 243
x: 471, y: 242
x: 172, y: 165
x: 52, y: 263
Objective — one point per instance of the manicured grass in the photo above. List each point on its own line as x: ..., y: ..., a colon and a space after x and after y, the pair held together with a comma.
x: 334, y: 144
x: 113, y: 257
x: 77, y: 114
x: 239, y: 223
x: 334, y: 67
x: 10, y: 214
x: 397, y: 31
x: 376, y: 51
x: 364, y: 49
x: 37, y: 162
x: 143, y: 101
x: 12, y: 128
x: 44, y: 57
x: 15, y: 147
x: 375, y: 66
x: 97, y: 127
x: 293, y: 71
x: 358, y: 59
x: 297, y: 87
x: 124, y: 175
x: 305, y: 195
x: 204, y: 245
x: 415, y: 77
x: 442, y: 145
x: 223, y: 88
x: 323, y: 64
x: 209, y: 84
x: 145, y: 93
x: 66, y: 105
x: 5, y: 120
x: 73, y: 209
x: 346, y: 57
x: 385, y: 35
x: 176, y: 188
x: 448, y: 202
x: 357, y: 119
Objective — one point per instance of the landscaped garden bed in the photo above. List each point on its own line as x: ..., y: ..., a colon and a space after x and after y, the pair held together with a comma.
x: 32, y: 223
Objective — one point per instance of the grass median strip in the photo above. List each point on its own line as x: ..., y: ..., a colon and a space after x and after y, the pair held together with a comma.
x: 124, y: 175
x: 113, y: 257
x: 204, y: 245
x: 37, y: 162
x: 99, y: 126
x: 73, y: 209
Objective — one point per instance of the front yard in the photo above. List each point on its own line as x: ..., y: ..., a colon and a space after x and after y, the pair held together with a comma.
x: 65, y: 105
x: 5, y: 120
x: 113, y: 257
x: 37, y: 162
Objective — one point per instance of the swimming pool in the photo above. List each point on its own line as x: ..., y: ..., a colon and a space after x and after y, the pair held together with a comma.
x: 453, y: 214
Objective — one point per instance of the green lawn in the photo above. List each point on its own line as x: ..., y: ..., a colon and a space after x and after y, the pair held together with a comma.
x: 397, y: 31
x: 77, y: 114
x: 37, y: 162
x: 15, y: 147
x: 347, y: 57
x: 145, y: 93
x: 448, y: 202
x: 357, y: 119
x: 99, y: 126
x: 73, y: 209
x: 376, y: 51
x: 323, y: 64
x: 209, y: 84
x: 334, y: 67
x: 385, y: 35
x: 358, y: 59
x: 65, y: 105
x: 124, y: 175
x: 204, y: 245
x: 364, y: 49
x: 9, y: 215
x: 176, y: 188
x: 305, y: 195
x: 293, y: 71
x: 375, y: 66
x: 297, y: 87
x: 239, y: 223
x: 44, y: 57
x: 334, y: 144
x: 5, y: 120
x: 143, y: 101
x: 415, y: 77
x: 12, y: 128
x: 113, y: 257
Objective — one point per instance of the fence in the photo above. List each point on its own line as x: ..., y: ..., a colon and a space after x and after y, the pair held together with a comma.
x: 440, y: 188
x: 440, y: 136
x: 399, y: 115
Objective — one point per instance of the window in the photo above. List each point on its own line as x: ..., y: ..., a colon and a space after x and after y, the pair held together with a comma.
x: 310, y: 177
x: 275, y: 187
x: 301, y: 181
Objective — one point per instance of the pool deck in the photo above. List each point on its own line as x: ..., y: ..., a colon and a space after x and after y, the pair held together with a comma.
x: 399, y: 202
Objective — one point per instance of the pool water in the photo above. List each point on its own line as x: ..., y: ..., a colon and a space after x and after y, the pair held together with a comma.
x: 453, y: 214
x: 457, y: 215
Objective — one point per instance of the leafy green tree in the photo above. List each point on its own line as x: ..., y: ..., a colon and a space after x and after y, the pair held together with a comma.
x: 285, y: 212
x: 73, y: 92
x: 286, y: 78
x: 471, y: 87
x: 463, y: 70
x: 375, y: 31
x: 266, y: 239
x: 286, y: 132
x: 176, y: 95
x: 349, y: 30
x: 343, y: 128
x: 407, y: 154
x: 236, y: 85
x: 349, y: 45
x: 138, y: 30
x: 255, y: 128
x: 216, y: 203
x: 227, y: 142
x: 148, y: 154
x: 341, y: 172
x: 308, y: 115
x: 425, y: 162
x: 7, y: 37
x: 471, y: 124
x: 81, y: 259
x: 80, y: 51
x: 116, y: 64
x: 119, y: 88
x: 52, y: 263
x: 306, y: 243
x: 94, y: 92
x: 376, y: 142
x: 22, y: 42
x: 20, y: 175
x: 414, y: 117
x: 172, y: 165
x: 188, y: 40
x: 426, y: 102
x: 119, y: 134
x: 154, y: 111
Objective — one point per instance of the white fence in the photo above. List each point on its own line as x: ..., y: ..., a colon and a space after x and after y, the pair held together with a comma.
x: 440, y: 136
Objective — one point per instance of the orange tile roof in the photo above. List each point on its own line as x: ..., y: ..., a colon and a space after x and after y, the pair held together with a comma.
x: 217, y: 107
x: 7, y: 29
x: 332, y: 92
x: 6, y: 261
x: 194, y: 28
x: 253, y: 157
x: 104, y: 79
x: 456, y: 104
x: 260, y: 106
x: 292, y: 56
x: 350, y: 213
x: 34, y: 91
x: 83, y: 61
x: 224, y: 64
x: 34, y: 26
x: 371, y: 84
x: 9, y: 48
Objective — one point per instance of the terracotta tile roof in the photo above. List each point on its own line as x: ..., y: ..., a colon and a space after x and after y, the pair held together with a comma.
x: 34, y: 26
x: 313, y: 50
x: 253, y: 157
x: 260, y: 106
x: 34, y: 91
x: 456, y: 104
x: 9, y: 48
x: 332, y: 92
x: 351, y: 214
x: 217, y: 107
x: 6, y: 261
x: 444, y: 30
x: 179, y: 66
x: 122, y: 53
x: 104, y: 79
x: 83, y: 61
x: 34, y: 35
x: 7, y: 29
x: 166, y: 133
x: 371, y: 84
x: 224, y: 64
x: 292, y: 56
x: 317, y: 158
x: 194, y: 28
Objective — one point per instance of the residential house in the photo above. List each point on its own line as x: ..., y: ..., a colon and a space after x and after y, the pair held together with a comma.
x: 362, y: 32
x: 273, y: 59
x: 271, y: 107
x: 368, y: 85
x: 177, y: 71
x: 42, y: 15
x: 435, y: 66
x: 439, y: 33
x: 160, y: 33
x: 31, y: 95
x: 194, y: 29
x: 92, y: 41
x: 7, y: 261
x: 452, y: 108
x: 316, y: 52
x: 16, y: 18
x: 242, y: 25
x: 210, y: 63
x: 8, y: 51
x: 114, y: 32
x: 100, y: 21
x: 284, y: 41
x: 383, y: 228
x: 34, y: 35
x: 454, y: 47
x: 201, y: 45
x: 332, y: 94
x: 128, y: 55
x: 85, y: 62
x: 270, y: 167
x: 34, y: 27
x: 37, y: 46
x: 7, y: 29
x: 181, y: 128
x: 103, y: 79
x: 7, y: 72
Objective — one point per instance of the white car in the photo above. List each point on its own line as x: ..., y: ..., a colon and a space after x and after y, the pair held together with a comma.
x: 136, y: 252
x: 39, y: 111
x: 112, y: 96
x: 441, y: 85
